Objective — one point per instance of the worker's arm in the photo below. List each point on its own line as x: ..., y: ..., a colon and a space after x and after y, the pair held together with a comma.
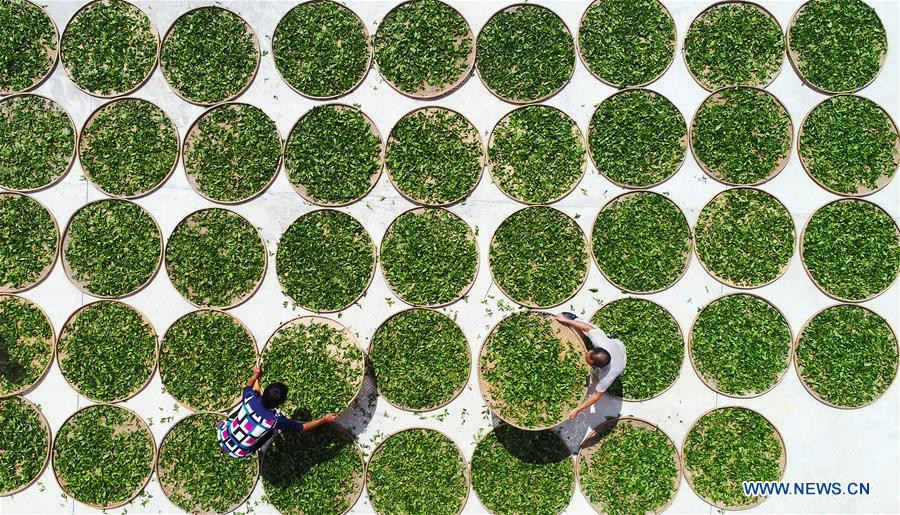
x: 594, y: 397
x: 253, y: 380
x: 326, y: 419
x: 575, y: 324
x: 289, y: 424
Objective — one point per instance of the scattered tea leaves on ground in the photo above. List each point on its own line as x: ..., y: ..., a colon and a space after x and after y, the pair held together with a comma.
x: 129, y: 147
x: 429, y: 257
x: 28, y: 46
x: 420, y: 359
x: 26, y: 344
x: 847, y: 355
x: 204, y: 358
x: 851, y: 249
x: 637, y: 138
x: 25, y: 442
x: 642, y: 242
x: 37, y: 142
x: 325, y: 260
x: 29, y: 239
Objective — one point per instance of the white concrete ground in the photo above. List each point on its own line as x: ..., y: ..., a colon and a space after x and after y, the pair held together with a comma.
x: 823, y: 444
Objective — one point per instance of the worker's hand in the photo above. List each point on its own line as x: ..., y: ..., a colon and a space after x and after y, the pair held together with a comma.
x: 561, y: 319
x: 331, y: 417
x: 256, y: 369
x: 574, y: 413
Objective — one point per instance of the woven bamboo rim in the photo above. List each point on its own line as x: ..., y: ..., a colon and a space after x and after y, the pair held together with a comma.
x: 728, y: 282
x: 146, y: 430
x: 575, y: 132
x: 373, y: 179
x: 462, y: 385
x: 519, y: 101
x: 368, y: 60
x: 687, y: 256
x: 813, y: 393
x: 527, y: 303
x: 371, y: 269
x: 52, y: 343
x: 882, y: 181
x: 82, y: 285
x: 92, y: 118
x: 562, y: 445
x: 680, y: 335
x: 52, y: 53
x: 588, y: 449
x: 782, y: 161
x: 49, y: 267
x: 248, y: 30
x: 763, y: 10
x: 481, y: 160
x: 782, y: 461
x: 462, y: 458
x: 568, y: 338
x: 49, y: 435
x: 349, y: 338
x: 75, y: 135
x: 236, y: 301
x: 684, y: 141
x: 114, y: 93
x: 237, y: 396
x: 795, y: 59
x: 65, y: 330
x: 806, y: 268
x: 188, y: 145
x: 712, y: 384
x: 631, y: 86
x: 470, y: 235
x: 168, y: 489
x: 429, y: 92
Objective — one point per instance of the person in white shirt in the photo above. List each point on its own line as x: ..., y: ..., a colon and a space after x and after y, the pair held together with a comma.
x: 606, y: 355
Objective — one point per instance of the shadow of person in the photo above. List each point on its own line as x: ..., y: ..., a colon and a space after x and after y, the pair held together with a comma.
x: 293, y: 455
x: 536, y: 447
x: 609, y: 406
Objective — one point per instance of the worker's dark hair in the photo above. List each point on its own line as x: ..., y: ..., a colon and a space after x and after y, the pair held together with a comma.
x: 274, y: 395
x: 598, y: 358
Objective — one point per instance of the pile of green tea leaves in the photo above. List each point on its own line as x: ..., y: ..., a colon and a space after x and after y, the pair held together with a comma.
x: 627, y: 42
x: 404, y: 354
x: 837, y: 45
x: 112, y: 247
x: 128, y: 147
x: 196, y: 475
x: 740, y: 345
x: 417, y: 471
x: 204, y: 358
x: 29, y: 239
x: 534, y: 376
x: 642, y: 242
x: 26, y: 344
x: 320, y: 471
x: 849, y: 145
x: 851, y: 249
x: 424, y: 47
x: 321, y: 365
x: 109, y: 47
x: 103, y: 455
x: 515, y: 471
x: 107, y: 351
x: 525, y: 53
x: 637, y: 138
x: 434, y: 156
x: 209, y: 55
x: 215, y: 257
x: 847, y: 356
x: 728, y: 446
x: 333, y: 154
x: 325, y: 260
x: 653, y: 342
x: 741, y: 135
x: 28, y: 46
x: 631, y: 469
x: 536, y: 154
x: 37, y: 142
x: 429, y: 257
x: 734, y: 44
x: 232, y: 152
x: 321, y: 49
x: 538, y: 256
x: 25, y: 442
x: 745, y: 237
